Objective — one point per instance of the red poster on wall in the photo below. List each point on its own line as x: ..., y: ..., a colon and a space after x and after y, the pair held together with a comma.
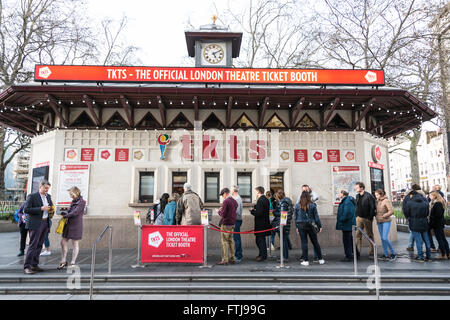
x: 301, y: 155
x: 164, y: 243
x: 122, y: 155
x: 87, y: 154
x: 334, y: 156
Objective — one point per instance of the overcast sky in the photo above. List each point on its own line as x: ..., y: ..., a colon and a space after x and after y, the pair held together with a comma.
x: 157, y: 27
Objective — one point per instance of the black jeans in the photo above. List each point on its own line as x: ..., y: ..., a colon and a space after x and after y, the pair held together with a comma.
x: 430, y: 237
x: 261, y: 244
x: 304, y: 238
x: 23, y: 236
x: 347, y: 239
x: 443, y: 243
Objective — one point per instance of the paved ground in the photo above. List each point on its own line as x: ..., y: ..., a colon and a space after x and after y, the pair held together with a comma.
x: 123, y: 259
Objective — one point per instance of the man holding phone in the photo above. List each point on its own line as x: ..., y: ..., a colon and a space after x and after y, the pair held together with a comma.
x: 37, y: 208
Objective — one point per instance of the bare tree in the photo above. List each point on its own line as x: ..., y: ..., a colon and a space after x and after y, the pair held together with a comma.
x: 276, y: 33
x: 49, y: 32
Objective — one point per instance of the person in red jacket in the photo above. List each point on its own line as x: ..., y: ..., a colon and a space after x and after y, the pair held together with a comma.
x: 228, y: 219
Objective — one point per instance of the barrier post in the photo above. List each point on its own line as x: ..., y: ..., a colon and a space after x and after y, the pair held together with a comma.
x: 205, y: 223
x: 283, y: 221
x: 355, y: 254
x: 137, y: 222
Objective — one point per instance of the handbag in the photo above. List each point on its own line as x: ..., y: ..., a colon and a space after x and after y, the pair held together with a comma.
x: 62, y: 223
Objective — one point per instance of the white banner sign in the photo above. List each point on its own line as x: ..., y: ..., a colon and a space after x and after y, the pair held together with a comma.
x: 72, y: 175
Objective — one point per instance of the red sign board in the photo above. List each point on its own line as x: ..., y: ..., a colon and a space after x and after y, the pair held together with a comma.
x: 87, y: 154
x: 376, y: 165
x: 301, y: 155
x: 207, y: 75
x: 334, y: 156
x: 345, y: 168
x: 122, y: 155
x: 317, y: 155
x: 376, y: 153
x: 164, y: 243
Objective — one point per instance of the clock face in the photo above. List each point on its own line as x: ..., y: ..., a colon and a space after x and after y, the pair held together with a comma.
x: 213, y: 53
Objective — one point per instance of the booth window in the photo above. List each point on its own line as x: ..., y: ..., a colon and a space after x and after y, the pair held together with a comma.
x: 212, y: 185
x: 277, y: 182
x: 146, y: 186
x: 376, y: 179
x: 178, y: 181
x: 244, y: 182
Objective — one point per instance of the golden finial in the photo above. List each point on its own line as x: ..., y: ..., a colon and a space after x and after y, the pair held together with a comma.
x: 214, y: 18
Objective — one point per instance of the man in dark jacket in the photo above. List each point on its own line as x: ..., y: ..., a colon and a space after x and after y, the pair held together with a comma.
x: 416, y: 211
x: 365, y: 212
x: 346, y: 218
x: 228, y: 219
x: 37, y: 207
x: 262, y: 222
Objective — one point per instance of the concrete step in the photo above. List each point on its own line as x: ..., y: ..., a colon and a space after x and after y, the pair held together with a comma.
x: 213, y: 278
x: 232, y: 288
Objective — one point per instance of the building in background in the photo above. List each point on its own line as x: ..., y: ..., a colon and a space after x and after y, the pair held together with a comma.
x: 430, y: 152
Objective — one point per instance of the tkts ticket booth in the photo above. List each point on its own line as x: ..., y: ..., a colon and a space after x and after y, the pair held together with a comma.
x: 125, y: 135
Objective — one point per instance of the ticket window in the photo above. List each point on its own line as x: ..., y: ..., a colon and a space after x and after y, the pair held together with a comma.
x: 376, y: 179
x: 244, y: 182
x: 146, y: 187
x: 178, y: 181
x: 212, y: 185
x: 276, y: 182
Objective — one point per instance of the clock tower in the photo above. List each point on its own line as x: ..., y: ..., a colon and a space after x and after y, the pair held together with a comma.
x: 213, y: 45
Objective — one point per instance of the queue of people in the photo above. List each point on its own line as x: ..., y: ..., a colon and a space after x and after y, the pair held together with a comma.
x: 423, y: 216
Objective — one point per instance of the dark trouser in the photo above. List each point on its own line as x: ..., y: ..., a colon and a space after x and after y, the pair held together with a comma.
x: 347, y: 239
x: 313, y: 237
x: 237, y: 240
x: 261, y: 243
x: 430, y: 238
x: 443, y: 243
x: 23, y: 236
x: 37, y: 238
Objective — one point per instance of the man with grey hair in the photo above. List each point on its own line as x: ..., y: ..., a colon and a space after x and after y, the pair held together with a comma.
x: 238, y: 224
x: 37, y: 208
x: 189, y: 207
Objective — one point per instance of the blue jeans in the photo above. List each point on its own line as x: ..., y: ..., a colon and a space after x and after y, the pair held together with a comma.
x: 237, y: 240
x: 384, y: 228
x: 418, y: 236
x: 411, y: 240
x: 47, y: 241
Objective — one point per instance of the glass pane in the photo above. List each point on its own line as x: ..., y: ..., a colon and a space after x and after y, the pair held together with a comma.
x: 244, y: 182
x: 212, y: 188
x: 146, y: 187
x: 276, y: 181
x: 178, y: 180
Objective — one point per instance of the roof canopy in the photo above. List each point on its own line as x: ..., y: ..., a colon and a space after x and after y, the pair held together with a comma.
x: 386, y: 111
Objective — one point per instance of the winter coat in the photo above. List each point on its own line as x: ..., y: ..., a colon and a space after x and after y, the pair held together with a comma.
x: 407, y: 197
x: 284, y: 204
x: 74, y: 226
x: 384, y: 207
x: 365, y: 206
x: 416, y: 211
x: 346, y: 216
x: 311, y: 215
x: 261, y: 213
x: 239, y: 208
x: 189, y: 209
x: 169, y: 213
x: 437, y: 220
x: 159, y: 215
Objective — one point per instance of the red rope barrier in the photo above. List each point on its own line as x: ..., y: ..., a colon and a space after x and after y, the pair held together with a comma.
x: 216, y: 228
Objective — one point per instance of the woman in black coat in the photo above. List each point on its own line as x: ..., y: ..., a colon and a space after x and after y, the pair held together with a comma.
x: 262, y: 222
x: 437, y: 223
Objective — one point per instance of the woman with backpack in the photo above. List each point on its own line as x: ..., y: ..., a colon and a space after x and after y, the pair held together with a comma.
x: 308, y: 224
x: 283, y: 204
x: 158, y: 209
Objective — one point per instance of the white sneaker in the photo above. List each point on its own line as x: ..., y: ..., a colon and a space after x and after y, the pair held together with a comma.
x: 45, y: 253
x: 272, y: 247
x: 321, y: 261
x: 305, y: 263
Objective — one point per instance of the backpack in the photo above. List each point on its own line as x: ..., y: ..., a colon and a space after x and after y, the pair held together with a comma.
x: 155, y: 213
